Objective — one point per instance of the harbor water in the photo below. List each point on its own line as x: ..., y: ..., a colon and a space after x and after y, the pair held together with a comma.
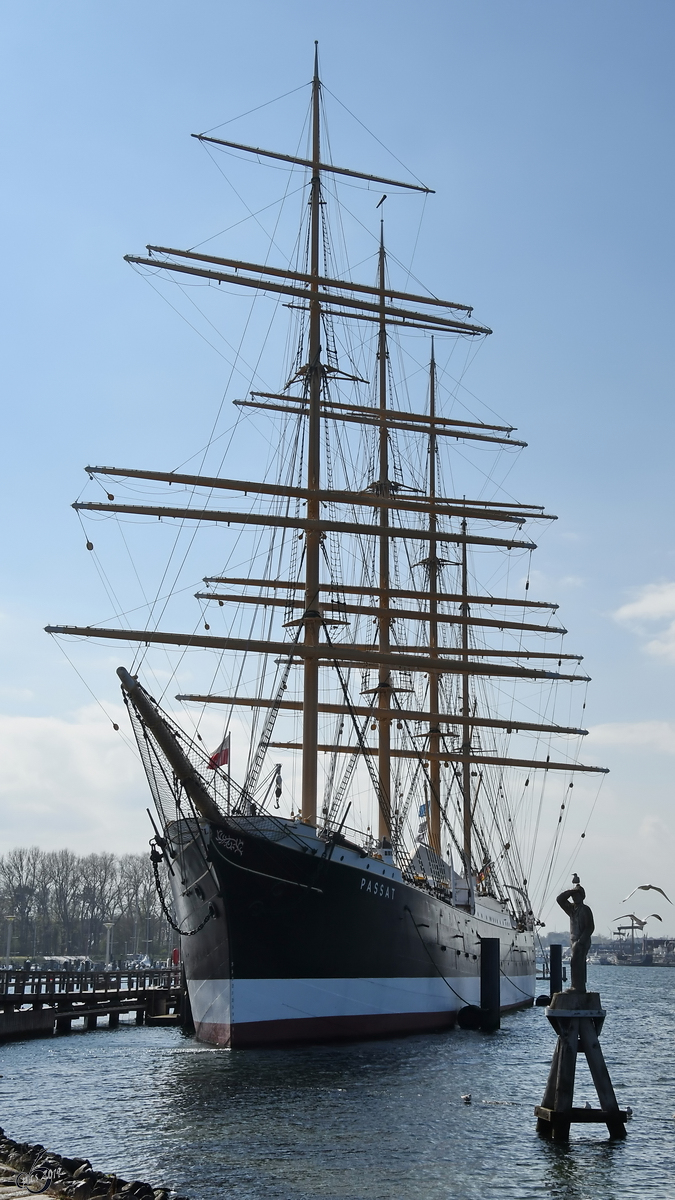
x: 381, y: 1120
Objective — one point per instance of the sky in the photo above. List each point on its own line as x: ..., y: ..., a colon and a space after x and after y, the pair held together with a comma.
x: 546, y: 130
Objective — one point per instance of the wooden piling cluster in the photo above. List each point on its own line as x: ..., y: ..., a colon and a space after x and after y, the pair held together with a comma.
x: 577, y: 1018
x: 39, y: 1003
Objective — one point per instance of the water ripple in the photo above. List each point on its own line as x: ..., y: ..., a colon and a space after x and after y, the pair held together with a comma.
x: 377, y: 1120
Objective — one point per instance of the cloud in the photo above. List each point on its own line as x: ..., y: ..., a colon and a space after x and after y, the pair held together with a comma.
x: 71, y: 783
x: 540, y: 583
x: 18, y: 695
x: 79, y: 783
x: 653, y: 829
x: 654, y: 602
x: 658, y: 736
x: 664, y: 646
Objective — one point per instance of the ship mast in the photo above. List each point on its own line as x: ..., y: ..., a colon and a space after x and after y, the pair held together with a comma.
x: 312, y: 617
x: 384, y: 618
x: 466, y: 727
x: 433, y: 565
x: 431, y: 521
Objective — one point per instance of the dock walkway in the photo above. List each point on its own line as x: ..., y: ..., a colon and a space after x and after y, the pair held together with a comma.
x: 41, y: 1003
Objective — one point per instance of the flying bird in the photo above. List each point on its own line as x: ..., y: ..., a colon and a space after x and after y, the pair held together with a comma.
x: 637, y: 919
x: 647, y: 887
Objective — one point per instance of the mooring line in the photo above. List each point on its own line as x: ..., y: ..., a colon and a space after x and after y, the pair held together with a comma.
x: 515, y: 985
x: 437, y: 968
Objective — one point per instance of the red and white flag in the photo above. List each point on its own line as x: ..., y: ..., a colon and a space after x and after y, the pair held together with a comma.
x: 221, y: 756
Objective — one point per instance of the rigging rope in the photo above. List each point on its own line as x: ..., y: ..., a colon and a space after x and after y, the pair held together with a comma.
x: 383, y: 802
x: 251, y: 780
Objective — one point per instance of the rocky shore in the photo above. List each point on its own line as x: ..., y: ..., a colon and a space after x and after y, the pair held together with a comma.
x: 71, y: 1177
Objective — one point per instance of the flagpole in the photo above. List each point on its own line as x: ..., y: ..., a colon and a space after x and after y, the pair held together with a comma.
x: 221, y: 758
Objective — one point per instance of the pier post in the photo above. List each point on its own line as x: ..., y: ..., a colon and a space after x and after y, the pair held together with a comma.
x: 490, y: 984
x: 185, y: 1007
x: 555, y: 967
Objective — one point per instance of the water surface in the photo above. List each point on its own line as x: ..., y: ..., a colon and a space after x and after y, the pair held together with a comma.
x: 378, y: 1120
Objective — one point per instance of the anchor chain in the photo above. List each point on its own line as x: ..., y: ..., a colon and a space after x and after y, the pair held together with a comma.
x: 156, y: 857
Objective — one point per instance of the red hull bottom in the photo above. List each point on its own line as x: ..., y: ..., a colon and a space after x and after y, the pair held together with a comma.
x: 247, y: 1034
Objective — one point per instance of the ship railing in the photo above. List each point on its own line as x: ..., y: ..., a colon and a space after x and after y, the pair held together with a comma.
x: 344, y: 835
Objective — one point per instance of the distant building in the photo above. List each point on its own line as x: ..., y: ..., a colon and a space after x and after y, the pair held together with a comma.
x: 561, y: 937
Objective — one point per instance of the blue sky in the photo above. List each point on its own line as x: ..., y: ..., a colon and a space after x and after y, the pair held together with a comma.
x: 546, y: 130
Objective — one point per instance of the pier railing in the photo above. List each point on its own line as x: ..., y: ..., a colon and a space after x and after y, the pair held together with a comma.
x: 54, y: 983
x: 42, y: 1002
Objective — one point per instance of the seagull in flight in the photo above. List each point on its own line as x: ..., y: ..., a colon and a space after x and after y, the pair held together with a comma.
x: 647, y: 887
x: 637, y: 919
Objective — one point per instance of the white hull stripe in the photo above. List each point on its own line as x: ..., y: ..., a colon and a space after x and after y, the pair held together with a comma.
x: 210, y: 1001
x: 225, y: 1002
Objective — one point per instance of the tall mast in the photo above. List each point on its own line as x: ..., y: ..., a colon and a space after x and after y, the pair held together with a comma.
x: 384, y: 620
x: 467, y: 730
x: 312, y: 619
x: 433, y: 565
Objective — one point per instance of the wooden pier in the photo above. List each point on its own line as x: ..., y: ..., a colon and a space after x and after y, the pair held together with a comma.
x: 41, y: 1003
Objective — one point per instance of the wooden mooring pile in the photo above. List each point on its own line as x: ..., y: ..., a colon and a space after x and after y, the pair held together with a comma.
x: 41, y: 1003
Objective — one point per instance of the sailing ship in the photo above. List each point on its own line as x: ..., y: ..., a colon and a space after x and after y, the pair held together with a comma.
x: 374, y: 658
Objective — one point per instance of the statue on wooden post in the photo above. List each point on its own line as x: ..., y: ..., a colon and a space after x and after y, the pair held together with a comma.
x: 581, y: 929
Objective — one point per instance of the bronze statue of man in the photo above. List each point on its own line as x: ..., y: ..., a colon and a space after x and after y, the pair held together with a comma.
x: 581, y: 929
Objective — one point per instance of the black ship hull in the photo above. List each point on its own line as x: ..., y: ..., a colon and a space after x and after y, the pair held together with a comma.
x: 311, y: 942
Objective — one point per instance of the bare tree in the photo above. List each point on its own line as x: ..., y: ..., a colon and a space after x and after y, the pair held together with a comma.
x: 19, y: 873
x: 98, y: 897
x: 60, y: 901
x: 64, y: 889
